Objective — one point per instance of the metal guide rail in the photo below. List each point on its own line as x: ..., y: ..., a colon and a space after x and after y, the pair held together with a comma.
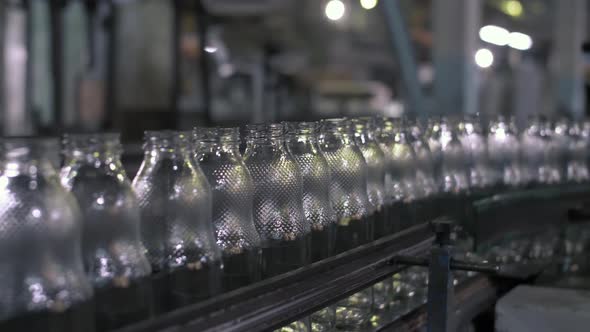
x: 280, y: 300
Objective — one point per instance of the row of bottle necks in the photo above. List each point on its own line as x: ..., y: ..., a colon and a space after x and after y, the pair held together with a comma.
x: 132, y: 301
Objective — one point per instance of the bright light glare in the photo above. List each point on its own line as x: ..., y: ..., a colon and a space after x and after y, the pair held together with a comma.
x: 210, y: 49
x: 368, y: 4
x: 335, y: 10
x: 513, y: 8
x: 520, y: 41
x: 484, y: 58
x: 494, y: 35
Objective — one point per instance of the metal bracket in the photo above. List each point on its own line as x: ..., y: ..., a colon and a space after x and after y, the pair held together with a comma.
x: 440, y: 283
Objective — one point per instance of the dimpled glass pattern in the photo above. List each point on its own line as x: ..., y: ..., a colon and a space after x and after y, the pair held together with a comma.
x: 111, y: 244
x: 425, y: 178
x: 302, y: 143
x: 40, y: 235
x: 400, y: 161
x: 175, y: 202
x: 348, y: 170
x: 278, y: 199
x: 364, y: 135
x: 233, y: 197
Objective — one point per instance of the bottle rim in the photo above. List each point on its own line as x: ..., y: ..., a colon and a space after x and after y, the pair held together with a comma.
x: 217, y: 134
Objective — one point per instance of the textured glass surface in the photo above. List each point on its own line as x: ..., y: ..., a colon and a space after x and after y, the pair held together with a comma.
x: 302, y: 143
x: 40, y: 235
x: 175, y: 203
x: 233, y: 197
x: 278, y: 200
x: 348, y: 193
x: 364, y: 136
x: 400, y: 160
x: 425, y: 174
x: 111, y: 246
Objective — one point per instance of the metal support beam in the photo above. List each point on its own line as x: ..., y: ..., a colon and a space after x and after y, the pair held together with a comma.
x: 405, y: 56
x: 570, y: 32
x: 456, y: 24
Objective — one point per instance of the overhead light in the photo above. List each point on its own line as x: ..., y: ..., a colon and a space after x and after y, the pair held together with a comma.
x: 520, y: 41
x: 484, y: 58
x: 512, y: 7
x: 494, y: 34
x: 210, y: 49
x: 335, y: 10
x: 368, y: 4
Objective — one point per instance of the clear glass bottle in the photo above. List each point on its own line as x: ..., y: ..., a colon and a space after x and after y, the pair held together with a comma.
x: 41, y: 269
x: 348, y: 193
x: 364, y: 135
x: 553, y: 156
x: 577, y: 169
x: 534, y: 143
x: 114, y: 257
x: 233, y: 198
x: 563, y: 141
x: 348, y: 184
x: 425, y: 176
x: 302, y: 143
x: 278, y: 200
x: 504, y: 150
x: 175, y: 204
x: 474, y: 144
x: 453, y: 168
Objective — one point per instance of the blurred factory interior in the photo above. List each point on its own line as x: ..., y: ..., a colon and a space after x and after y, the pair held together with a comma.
x: 130, y: 65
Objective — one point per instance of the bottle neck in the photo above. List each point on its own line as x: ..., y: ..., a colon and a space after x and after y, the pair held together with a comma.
x: 30, y: 156
x: 92, y: 149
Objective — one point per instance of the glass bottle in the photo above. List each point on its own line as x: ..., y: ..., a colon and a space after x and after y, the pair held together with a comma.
x: 553, y: 158
x: 114, y: 257
x: 533, y: 157
x: 364, y: 135
x: 44, y: 287
x: 175, y: 204
x: 348, y: 184
x: 474, y: 144
x: 401, y: 175
x: 503, y: 145
x: 302, y: 143
x: 453, y: 167
x: 425, y: 176
x: 562, y: 141
x: 348, y: 193
x: 278, y: 200
x: 233, y: 197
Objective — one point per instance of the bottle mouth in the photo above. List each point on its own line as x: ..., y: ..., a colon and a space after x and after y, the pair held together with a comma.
x: 217, y: 134
x: 265, y: 131
x: 336, y: 125
x: 365, y: 124
x: 92, y: 141
x: 301, y: 128
x: 166, y: 139
x: 23, y: 146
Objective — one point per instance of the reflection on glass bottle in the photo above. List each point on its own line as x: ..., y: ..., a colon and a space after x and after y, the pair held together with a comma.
x: 425, y: 174
x: 175, y: 203
x: 399, y: 173
x: 233, y: 196
x: 534, y: 145
x: 278, y: 199
x: 348, y: 193
x: 348, y: 184
x: 302, y: 143
x: 453, y: 166
x: 44, y: 287
x: 364, y: 135
x: 504, y: 151
x: 474, y: 144
x: 114, y: 257
x: 577, y: 168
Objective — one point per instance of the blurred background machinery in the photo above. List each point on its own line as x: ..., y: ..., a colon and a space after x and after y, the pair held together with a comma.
x: 90, y: 65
